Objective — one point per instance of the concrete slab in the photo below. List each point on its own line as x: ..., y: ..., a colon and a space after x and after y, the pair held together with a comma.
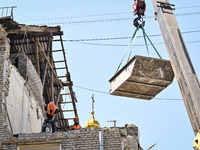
x: 142, y: 77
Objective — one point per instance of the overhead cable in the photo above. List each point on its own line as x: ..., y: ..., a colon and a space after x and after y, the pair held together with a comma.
x: 108, y: 93
x: 126, y: 44
x: 119, y: 38
x: 106, y: 20
x: 95, y: 15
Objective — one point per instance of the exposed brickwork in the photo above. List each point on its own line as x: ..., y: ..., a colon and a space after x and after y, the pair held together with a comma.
x: 84, y: 139
x: 4, y: 84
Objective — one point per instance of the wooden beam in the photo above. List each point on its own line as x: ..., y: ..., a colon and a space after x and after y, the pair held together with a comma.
x: 51, y: 75
x: 25, y: 28
x: 66, y: 110
x: 37, y: 59
x: 60, y: 50
x: 56, y: 85
x: 65, y: 102
x: 45, y: 62
x: 57, y: 79
x: 58, y: 96
x: 29, y: 42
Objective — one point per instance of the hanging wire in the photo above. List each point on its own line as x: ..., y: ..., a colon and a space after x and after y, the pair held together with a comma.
x: 119, y: 38
x: 107, y: 93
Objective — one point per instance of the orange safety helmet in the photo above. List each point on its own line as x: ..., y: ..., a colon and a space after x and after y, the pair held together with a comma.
x: 51, y: 105
x: 76, y: 118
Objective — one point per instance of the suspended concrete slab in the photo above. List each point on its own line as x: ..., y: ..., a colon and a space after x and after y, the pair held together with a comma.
x: 142, y: 77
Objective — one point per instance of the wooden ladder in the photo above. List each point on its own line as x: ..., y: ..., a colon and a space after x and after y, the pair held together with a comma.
x: 66, y: 84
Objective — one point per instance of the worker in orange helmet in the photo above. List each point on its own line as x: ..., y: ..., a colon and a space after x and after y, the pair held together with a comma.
x: 76, y: 125
x: 50, y: 116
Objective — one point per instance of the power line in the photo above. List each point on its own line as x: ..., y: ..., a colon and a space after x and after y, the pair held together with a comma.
x: 127, y: 45
x: 119, y: 38
x: 108, y: 93
x: 94, y: 15
x: 91, y: 89
x: 188, y: 7
x: 107, y: 20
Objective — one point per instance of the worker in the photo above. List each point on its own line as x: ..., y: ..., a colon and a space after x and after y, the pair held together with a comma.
x: 76, y: 125
x: 50, y: 116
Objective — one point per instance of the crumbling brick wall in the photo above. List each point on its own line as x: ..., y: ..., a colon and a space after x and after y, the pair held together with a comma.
x: 83, y: 139
x: 4, y: 83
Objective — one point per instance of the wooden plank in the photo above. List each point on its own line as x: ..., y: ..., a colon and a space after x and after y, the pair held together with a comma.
x: 57, y: 50
x: 65, y: 102
x: 56, y: 85
x: 37, y: 59
x: 61, y: 76
x: 45, y: 62
x: 58, y: 61
x: 67, y: 119
x: 66, y: 110
x: 60, y: 68
x: 51, y: 75
x: 20, y: 35
x: 39, y: 28
x: 65, y: 94
x: 57, y: 80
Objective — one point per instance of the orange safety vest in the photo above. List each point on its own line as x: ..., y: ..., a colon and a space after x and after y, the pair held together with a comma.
x: 51, y: 113
x: 76, y: 127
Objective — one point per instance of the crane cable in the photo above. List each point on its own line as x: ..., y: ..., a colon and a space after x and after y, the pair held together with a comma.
x: 133, y: 40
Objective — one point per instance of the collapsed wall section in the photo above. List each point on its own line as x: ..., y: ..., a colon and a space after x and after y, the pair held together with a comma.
x: 23, y: 109
x: 30, y: 75
x: 83, y: 139
x: 20, y: 106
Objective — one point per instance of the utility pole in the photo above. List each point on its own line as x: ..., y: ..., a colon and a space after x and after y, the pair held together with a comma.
x: 180, y: 60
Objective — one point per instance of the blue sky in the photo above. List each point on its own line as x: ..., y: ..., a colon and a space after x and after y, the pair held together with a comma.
x: 165, y: 121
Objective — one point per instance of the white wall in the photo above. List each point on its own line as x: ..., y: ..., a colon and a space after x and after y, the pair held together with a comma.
x: 23, y: 109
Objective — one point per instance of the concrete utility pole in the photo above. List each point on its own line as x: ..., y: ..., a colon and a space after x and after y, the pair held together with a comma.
x: 180, y: 60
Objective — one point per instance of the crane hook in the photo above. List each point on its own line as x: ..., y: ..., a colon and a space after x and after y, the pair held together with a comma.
x: 136, y: 22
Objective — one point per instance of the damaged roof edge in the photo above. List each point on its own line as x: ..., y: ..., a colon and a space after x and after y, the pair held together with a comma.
x: 13, y: 27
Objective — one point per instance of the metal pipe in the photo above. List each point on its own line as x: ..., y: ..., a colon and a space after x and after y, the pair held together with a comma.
x: 101, y: 140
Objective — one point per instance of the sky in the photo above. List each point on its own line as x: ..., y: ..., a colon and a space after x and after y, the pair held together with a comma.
x: 92, y: 63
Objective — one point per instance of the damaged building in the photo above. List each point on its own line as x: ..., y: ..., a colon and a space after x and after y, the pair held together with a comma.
x: 30, y: 79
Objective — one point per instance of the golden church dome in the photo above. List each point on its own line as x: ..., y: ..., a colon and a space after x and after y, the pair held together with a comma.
x: 92, y: 122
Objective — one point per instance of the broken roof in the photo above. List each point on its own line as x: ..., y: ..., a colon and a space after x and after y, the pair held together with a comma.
x: 36, y: 43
